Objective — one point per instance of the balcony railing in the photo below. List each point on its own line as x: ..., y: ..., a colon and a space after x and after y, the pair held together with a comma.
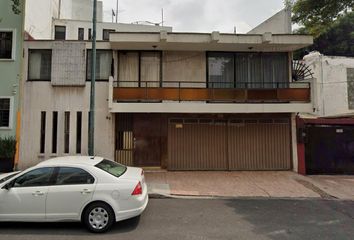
x: 147, y: 91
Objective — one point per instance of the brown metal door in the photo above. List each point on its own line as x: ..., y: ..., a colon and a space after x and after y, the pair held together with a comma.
x: 197, y: 145
x: 253, y: 145
x: 147, y: 140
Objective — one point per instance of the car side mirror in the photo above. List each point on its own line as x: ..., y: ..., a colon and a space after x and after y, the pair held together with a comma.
x: 7, y: 186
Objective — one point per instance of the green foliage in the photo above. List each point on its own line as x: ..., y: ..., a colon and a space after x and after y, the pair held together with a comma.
x: 338, y: 40
x: 317, y: 16
x: 7, y: 147
x: 16, y: 6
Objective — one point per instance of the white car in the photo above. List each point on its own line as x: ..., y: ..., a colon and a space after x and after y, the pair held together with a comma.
x: 93, y: 190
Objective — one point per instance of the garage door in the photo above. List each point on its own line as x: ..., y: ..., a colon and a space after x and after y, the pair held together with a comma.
x: 235, y: 144
x: 329, y: 149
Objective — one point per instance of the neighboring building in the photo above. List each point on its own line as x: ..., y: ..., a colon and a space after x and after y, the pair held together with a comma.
x: 326, y: 142
x: 72, y: 20
x: 11, y: 39
x: 180, y: 101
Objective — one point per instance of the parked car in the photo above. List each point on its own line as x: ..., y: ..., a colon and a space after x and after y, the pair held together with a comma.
x: 93, y: 190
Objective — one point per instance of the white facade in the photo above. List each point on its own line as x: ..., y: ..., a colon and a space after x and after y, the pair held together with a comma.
x: 279, y: 23
x: 331, y: 79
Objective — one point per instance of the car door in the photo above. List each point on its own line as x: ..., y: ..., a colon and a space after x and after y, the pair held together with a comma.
x: 23, y: 199
x: 72, y: 190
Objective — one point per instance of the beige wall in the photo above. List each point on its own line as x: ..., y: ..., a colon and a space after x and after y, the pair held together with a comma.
x: 184, y: 67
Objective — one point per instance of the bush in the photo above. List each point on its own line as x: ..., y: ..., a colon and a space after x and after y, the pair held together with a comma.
x: 7, y: 147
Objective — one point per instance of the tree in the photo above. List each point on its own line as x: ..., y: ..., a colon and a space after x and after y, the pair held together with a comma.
x: 338, y: 40
x: 16, y: 6
x: 317, y: 16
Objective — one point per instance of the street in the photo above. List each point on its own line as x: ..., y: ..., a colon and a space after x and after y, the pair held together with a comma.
x: 212, y: 219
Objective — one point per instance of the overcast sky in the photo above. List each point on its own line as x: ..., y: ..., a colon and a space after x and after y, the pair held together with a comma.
x: 196, y: 15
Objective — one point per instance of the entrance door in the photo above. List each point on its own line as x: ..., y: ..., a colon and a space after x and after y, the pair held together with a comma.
x: 147, y: 140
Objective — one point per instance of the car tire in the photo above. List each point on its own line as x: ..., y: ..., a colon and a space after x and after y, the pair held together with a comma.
x: 98, y: 217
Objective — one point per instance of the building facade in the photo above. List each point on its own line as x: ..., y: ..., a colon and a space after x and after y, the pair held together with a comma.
x: 11, y: 38
x: 180, y: 101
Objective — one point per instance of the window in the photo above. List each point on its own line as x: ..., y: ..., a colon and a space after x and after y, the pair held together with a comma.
x: 5, y: 112
x: 42, y: 133
x: 111, y: 167
x: 78, y: 131
x: 6, y: 44
x: 39, y: 65
x: 105, y: 34
x: 89, y: 34
x: 71, y: 176
x: 66, y: 132
x: 248, y: 70
x: 81, y: 34
x: 139, y: 69
x: 60, y: 32
x: 103, y: 64
x: 221, y: 70
x: 35, y: 178
x: 54, y: 132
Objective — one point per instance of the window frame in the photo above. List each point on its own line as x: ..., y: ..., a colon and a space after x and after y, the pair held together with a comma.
x: 13, y: 50
x: 56, y: 174
x: 89, y: 51
x: 11, y: 112
x: 139, y: 66
x: 28, y: 64
x: 55, y: 32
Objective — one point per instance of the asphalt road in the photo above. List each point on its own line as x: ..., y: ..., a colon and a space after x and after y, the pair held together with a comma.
x: 212, y: 219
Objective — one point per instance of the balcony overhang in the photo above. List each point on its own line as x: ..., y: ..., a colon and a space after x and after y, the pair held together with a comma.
x: 215, y: 41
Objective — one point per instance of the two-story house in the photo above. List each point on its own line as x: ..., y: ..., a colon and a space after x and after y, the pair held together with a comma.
x: 180, y: 101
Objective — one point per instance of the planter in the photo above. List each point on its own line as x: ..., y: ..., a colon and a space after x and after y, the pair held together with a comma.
x: 6, y: 165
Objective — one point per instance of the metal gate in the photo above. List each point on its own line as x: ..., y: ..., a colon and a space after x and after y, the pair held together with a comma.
x: 235, y: 144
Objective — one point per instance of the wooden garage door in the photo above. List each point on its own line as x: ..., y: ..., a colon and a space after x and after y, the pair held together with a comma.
x: 237, y: 144
x: 262, y: 144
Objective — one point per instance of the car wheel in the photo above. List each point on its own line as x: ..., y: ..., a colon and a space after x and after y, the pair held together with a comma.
x: 98, y: 217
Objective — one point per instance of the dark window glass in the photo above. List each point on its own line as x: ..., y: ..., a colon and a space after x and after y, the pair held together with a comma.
x: 55, y: 132
x: 6, y: 45
x: 4, y: 112
x: 66, y: 132
x: 103, y: 64
x: 39, y: 64
x: 60, y: 32
x: 105, y: 34
x: 89, y: 34
x: 42, y: 134
x: 81, y: 34
x: 111, y: 167
x: 78, y: 131
x: 70, y: 176
x: 221, y: 70
x: 37, y: 177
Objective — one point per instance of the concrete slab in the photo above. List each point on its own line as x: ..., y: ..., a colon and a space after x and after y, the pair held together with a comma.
x: 272, y: 184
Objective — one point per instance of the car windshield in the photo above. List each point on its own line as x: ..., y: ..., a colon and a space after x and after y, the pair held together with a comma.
x: 111, y: 167
x: 8, y: 177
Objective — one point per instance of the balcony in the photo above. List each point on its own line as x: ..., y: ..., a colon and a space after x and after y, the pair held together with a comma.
x: 220, y: 92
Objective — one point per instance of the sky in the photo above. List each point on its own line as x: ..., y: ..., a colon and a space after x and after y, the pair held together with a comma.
x: 196, y: 15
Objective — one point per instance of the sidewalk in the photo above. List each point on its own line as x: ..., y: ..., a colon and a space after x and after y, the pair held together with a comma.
x: 272, y: 184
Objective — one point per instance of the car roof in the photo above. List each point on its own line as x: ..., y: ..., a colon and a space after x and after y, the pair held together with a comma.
x: 71, y: 160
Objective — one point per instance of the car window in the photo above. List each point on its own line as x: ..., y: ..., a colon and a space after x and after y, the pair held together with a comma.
x: 8, y: 177
x: 36, y: 177
x: 70, y: 176
x: 111, y: 167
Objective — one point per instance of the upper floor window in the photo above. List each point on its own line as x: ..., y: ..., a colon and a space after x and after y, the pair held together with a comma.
x: 103, y: 64
x: 6, y: 44
x: 248, y: 70
x: 39, y: 64
x: 81, y: 34
x: 105, y: 34
x: 5, y: 112
x: 60, y: 32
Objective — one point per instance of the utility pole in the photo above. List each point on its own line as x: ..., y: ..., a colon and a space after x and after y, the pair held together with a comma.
x: 91, y: 133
